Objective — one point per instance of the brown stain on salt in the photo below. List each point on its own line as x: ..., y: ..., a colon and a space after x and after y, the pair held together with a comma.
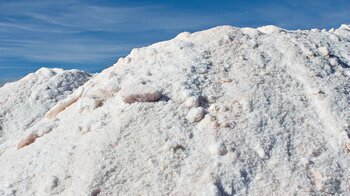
x: 28, y: 140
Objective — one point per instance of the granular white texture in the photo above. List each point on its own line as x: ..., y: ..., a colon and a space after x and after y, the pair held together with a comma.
x: 242, y: 111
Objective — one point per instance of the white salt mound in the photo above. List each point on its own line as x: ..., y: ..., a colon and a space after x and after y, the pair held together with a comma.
x: 25, y: 102
x: 226, y: 111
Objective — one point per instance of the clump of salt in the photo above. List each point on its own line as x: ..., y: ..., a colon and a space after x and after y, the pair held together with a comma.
x: 195, y: 114
x: 27, y: 140
x: 324, y: 51
x: 139, y: 93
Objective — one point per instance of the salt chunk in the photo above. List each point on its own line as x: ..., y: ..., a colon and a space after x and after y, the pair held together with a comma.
x: 46, y: 72
x: 28, y: 140
x: 317, y: 179
x: 225, y: 39
x: 250, y: 31
x: 210, y: 189
x: 226, y: 80
x: 52, y: 184
x: 87, y: 103
x: 202, y: 69
x: 217, y: 107
x: 183, y: 35
x: 139, y: 93
x: 324, y: 51
x: 97, y: 93
x: 192, y: 102
x: 95, y: 192
x: 270, y: 29
x: 217, y: 149
x: 214, y: 107
x: 134, y: 52
x: 63, y: 104
x: 185, y: 94
x: 223, y: 122
x: 348, y: 147
x: 195, y: 114
x: 345, y: 27
x: 333, y: 61
x: 261, y: 152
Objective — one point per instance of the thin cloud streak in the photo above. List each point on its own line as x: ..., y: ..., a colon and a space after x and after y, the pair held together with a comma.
x: 52, y: 32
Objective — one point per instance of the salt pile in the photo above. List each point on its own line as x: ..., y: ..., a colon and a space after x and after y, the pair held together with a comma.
x: 224, y: 111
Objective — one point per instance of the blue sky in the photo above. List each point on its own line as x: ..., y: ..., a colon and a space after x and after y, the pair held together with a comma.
x: 91, y: 35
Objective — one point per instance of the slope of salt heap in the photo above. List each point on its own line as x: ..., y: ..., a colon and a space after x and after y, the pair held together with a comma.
x: 245, y: 111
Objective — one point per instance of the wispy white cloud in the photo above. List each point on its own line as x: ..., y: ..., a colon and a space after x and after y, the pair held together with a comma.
x: 78, y: 16
x: 63, y: 31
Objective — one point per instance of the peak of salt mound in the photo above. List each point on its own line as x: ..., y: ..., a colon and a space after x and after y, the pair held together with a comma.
x: 247, y: 111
